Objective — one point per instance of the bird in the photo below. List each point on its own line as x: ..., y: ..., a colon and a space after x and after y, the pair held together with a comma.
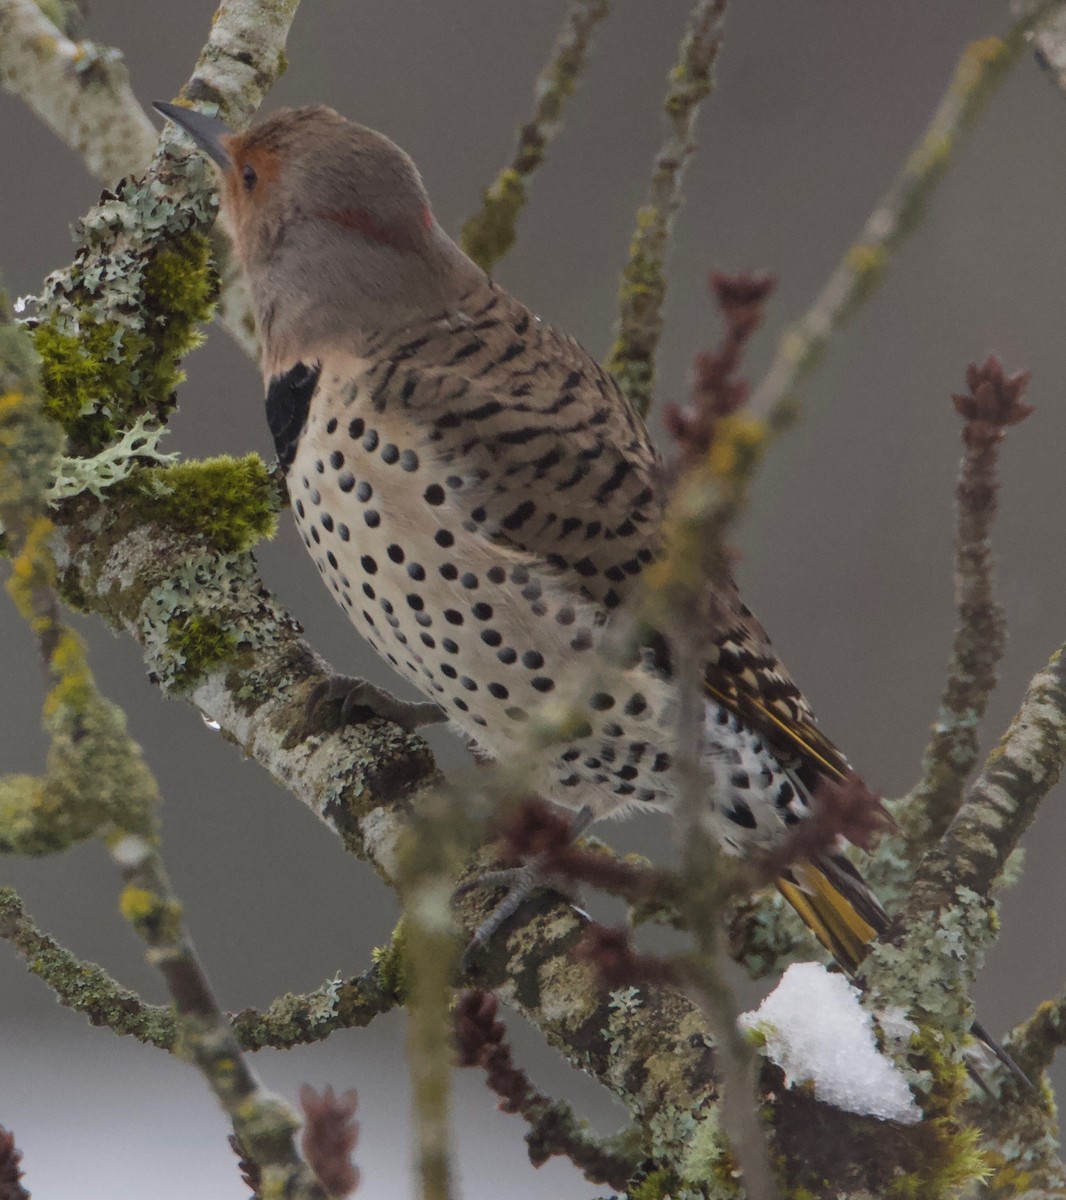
x: 482, y: 500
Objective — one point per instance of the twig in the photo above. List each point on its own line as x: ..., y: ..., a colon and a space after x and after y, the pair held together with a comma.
x: 83, y: 986
x: 718, y: 391
x: 78, y: 88
x: 705, y: 879
x: 431, y: 854
x: 292, y: 1020
x: 1004, y: 798
x: 265, y: 1125
x: 554, y: 1128
x: 490, y: 233
x: 643, y: 284
x: 982, y: 67
x: 992, y: 405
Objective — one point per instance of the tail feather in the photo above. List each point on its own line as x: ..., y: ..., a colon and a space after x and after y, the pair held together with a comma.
x: 833, y: 916
x: 845, y: 916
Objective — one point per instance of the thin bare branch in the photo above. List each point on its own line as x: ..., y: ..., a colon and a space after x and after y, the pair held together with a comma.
x: 982, y: 67
x: 643, y: 284
x: 490, y: 233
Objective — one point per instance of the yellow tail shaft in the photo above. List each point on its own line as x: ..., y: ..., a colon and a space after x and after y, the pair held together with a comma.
x: 829, y: 914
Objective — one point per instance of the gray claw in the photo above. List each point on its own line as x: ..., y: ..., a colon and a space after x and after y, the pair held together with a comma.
x: 359, y: 694
x: 520, y: 883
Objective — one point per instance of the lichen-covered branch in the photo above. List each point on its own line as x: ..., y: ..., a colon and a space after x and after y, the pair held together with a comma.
x: 992, y: 404
x: 1035, y: 1042
x: 1003, y: 800
x: 265, y: 1125
x: 643, y: 284
x: 1048, y: 41
x: 431, y: 854
x: 982, y: 67
x: 924, y: 965
x: 97, y: 772
x: 82, y: 986
x: 78, y: 88
x: 291, y: 1020
x: 490, y: 233
x: 554, y: 1127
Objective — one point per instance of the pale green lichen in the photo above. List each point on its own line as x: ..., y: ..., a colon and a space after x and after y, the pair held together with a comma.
x: 95, y: 474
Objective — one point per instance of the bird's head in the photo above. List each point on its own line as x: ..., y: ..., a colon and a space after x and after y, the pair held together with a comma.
x: 333, y: 227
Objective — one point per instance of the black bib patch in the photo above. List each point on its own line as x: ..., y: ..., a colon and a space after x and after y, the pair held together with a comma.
x: 287, y: 401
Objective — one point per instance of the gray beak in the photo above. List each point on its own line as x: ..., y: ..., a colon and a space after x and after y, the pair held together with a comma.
x: 206, y: 132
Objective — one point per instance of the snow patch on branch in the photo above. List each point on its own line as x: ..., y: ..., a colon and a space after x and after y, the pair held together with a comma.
x: 817, y: 1032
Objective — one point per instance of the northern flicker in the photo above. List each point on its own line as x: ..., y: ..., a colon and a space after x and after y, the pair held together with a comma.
x: 481, y: 498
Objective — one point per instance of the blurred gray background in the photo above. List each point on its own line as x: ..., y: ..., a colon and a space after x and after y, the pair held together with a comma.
x: 846, y: 546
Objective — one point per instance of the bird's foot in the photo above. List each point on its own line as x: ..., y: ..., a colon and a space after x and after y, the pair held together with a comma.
x: 519, y: 883
x: 359, y: 698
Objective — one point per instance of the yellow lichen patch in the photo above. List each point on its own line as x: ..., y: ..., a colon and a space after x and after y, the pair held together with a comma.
x: 136, y: 904
x: 157, y: 918
x: 931, y: 154
x: 738, y: 444
x: 69, y: 667
x: 32, y: 568
x: 489, y: 235
x: 867, y: 261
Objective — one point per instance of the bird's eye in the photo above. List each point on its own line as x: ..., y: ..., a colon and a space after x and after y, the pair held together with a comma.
x: 249, y: 177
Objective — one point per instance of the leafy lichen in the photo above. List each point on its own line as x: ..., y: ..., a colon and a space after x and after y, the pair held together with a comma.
x: 191, y: 623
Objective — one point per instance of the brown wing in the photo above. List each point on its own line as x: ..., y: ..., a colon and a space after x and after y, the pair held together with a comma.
x: 548, y: 456
x: 745, y: 675
x: 552, y: 460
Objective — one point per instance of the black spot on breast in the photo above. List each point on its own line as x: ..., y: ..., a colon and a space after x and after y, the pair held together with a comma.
x: 288, y: 400
x: 741, y: 814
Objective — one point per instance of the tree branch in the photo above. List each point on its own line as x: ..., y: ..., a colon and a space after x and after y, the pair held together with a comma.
x: 643, y: 284
x: 79, y: 89
x: 981, y: 69
x: 991, y: 406
x: 490, y: 233
x: 925, y: 963
x: 1048, y: 42
x: 292, y: 1020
